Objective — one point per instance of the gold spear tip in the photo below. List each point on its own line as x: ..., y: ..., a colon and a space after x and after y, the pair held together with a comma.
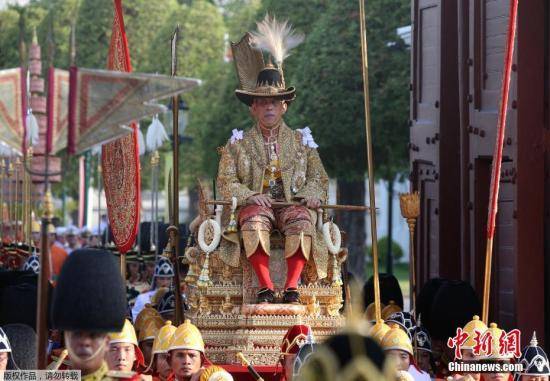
x: 48, y: 205
x: 410, y: 204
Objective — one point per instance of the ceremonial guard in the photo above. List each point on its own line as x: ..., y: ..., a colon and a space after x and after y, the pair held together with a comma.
x: 496, y: 356
x: 159, y: 357
x: 295, y: 337
x: 467, y: 350
x: 397, y: 345
x: 72, y: 239
x: 535, y: 363
x: 5, y: 350
x: 35, y: 233
x: 147, y: 336
x: 143, y: 317
x: 271, y: 162
x: 163, y: 276
x: 422, y: 345
x: 187, y: 358
x: 88, y: 303
x: 124, y: 354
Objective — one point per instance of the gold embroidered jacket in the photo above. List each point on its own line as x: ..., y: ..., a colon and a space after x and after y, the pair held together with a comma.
x: 241, y: 173
x: 243, y: 164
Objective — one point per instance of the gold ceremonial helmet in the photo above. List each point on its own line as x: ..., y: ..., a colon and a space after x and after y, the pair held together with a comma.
x: 127, y: 335
x: 495, y: 347
x: 152, y: 327
x: 164, y: 336
x: 187, y: 336
x: 370, y: 312
x: 470, y: 328
x: 35, y: 227
x: 396, y: 338
x: 146, y: 313
x: 51, y: 229
x: 390, y: 309
x: 378, y: 331
x: 215, y: 373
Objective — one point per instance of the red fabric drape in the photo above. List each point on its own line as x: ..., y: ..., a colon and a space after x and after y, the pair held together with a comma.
x: 120, y: 158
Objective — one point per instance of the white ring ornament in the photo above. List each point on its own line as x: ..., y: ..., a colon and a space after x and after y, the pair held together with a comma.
x: 208, y: 248
x: 333, y: 247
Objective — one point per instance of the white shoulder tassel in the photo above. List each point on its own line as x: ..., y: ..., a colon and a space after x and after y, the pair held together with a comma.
x: 141, y: 141
x: 96, y: 150
x: 156, y: 134
x: 33, y: 132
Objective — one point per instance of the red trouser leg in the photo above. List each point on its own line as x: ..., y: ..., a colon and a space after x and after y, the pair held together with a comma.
x: 260, y: 262
x: 294, y: 267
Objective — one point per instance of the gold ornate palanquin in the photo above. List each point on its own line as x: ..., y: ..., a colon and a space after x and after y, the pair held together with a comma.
x: 230, y: 322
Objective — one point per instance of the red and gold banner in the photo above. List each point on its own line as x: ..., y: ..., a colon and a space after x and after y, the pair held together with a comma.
x: 12, y: 108
x: 58, y: 110
x: 120, y: 158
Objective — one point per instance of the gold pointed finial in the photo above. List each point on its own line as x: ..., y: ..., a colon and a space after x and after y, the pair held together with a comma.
x: 48, y: 205
x: 534, y: 341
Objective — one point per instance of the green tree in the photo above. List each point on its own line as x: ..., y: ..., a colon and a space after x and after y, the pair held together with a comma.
x: 330, y: 100
x: 383, y: 242
x: 93, y: 32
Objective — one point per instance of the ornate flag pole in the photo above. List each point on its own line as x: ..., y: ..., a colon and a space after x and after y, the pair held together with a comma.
x: 497, y: 155
x: 370, y: 159
x: 173, y: 229
x: 410, y: 210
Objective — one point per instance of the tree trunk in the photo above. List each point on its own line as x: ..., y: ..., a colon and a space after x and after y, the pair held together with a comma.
x: 353, y: 223
x: 389, y: 253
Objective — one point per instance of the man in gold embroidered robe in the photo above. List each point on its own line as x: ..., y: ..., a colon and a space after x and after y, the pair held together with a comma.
x: 270, y: 162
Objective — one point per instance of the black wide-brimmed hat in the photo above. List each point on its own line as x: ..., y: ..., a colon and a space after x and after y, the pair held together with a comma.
x: 90, y: 293
x: 270, y: 84
x: 256, y: 79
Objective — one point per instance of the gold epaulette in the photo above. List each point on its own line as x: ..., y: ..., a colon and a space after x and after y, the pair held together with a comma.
x: 215, y: 373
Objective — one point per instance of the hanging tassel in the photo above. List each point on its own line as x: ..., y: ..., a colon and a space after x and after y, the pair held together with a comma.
x: 156, y: 134
x: 141, y: 142
x: 96, y: 150
x: 32, y: 129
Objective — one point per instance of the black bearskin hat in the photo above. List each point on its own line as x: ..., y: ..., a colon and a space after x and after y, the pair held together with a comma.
x: 22, y: 339
x: 90, y: 293
x: 446, y: 314
x: 389, y: 290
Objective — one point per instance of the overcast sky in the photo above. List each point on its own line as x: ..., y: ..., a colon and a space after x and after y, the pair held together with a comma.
x: 5, y: 3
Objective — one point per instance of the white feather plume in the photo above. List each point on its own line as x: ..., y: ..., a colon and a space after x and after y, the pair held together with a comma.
x: 141, y: 142
x: 156, y: 134
x: 276, y: 38
x: 33, y: 134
